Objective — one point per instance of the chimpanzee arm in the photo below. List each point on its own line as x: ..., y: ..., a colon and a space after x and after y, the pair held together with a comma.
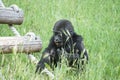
x: 46, y: 56
x: 80, y: 46
x: 44, y: 59
x: 79, y: 50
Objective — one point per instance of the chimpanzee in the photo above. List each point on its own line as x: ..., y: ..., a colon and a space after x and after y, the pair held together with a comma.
x: 64, y: 42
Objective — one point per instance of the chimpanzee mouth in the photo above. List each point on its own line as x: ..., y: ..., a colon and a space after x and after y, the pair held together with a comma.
x: 58, y: 43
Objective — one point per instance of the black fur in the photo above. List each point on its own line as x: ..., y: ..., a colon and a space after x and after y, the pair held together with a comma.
x: 63, y: 42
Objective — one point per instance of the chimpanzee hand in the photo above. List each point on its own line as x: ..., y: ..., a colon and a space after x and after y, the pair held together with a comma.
x: 40, y: 66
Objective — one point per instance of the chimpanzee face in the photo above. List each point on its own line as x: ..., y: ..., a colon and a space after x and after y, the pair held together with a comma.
x: 58, y: 38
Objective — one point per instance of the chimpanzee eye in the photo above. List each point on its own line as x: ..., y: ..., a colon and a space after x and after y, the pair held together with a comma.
x: 58, y: 33
x: 55, y: 33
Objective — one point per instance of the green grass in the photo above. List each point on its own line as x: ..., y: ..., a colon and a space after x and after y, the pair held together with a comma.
x: 98, y: 21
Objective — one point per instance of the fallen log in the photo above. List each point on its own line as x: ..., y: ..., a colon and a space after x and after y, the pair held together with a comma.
x: 22, y: 44
x: 12, y: 15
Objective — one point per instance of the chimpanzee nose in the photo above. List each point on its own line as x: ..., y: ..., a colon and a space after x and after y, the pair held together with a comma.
x: 56, y: 40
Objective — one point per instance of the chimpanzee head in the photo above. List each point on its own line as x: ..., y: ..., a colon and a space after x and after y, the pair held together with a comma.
x: 62, y: 30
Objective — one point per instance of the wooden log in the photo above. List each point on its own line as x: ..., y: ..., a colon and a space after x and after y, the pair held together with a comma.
x: 20, y: 44
x: 11, y: 16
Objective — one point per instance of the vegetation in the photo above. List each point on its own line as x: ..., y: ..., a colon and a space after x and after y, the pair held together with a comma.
x: 98, y: 21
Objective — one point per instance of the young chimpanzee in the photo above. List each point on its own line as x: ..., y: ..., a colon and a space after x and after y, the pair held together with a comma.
x: 63, y: 42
